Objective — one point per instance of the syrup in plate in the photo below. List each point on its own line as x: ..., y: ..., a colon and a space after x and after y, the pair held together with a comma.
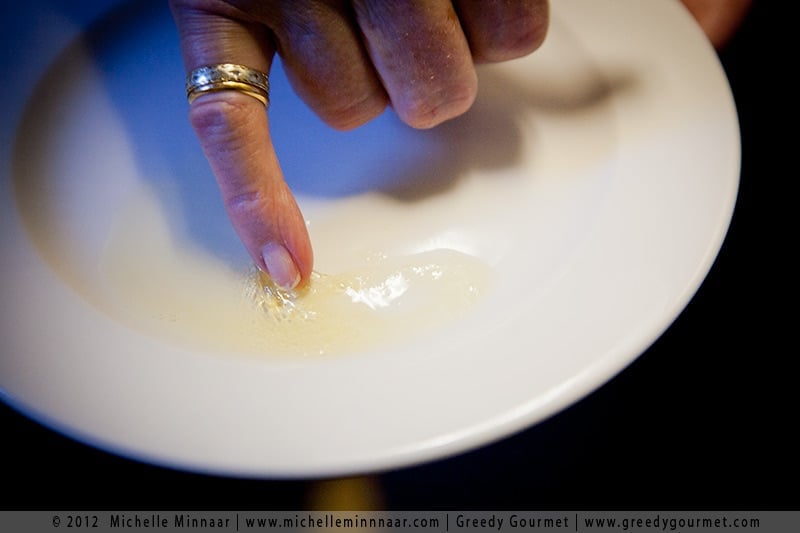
x: 190, y: 297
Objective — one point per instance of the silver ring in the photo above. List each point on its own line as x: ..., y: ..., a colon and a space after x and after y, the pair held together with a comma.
x: 228, y: 77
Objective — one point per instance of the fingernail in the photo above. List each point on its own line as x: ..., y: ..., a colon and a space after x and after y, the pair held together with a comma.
x: 280, y: 266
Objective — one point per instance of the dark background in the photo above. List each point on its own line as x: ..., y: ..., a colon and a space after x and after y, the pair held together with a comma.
x: 705, y: 419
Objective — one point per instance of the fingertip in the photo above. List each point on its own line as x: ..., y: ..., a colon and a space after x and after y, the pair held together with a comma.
x: 298, y: 245
x: 426, y: 110
x: 503, y: 31
x: 522, y: 38
x: 281, y: 266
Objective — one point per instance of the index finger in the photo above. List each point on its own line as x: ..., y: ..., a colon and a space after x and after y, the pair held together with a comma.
x: 233, y: 130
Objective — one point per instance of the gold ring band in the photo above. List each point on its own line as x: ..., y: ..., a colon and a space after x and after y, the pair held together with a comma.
x: 228, y: 77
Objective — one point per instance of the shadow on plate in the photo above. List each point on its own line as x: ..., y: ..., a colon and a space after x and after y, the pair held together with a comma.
x: 134, y: 52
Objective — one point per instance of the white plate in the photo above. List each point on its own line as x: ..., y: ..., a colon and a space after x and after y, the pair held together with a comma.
x: 594, y: 179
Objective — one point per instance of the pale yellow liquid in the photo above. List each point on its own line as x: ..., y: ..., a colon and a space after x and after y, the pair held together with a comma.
x: 188, y: 296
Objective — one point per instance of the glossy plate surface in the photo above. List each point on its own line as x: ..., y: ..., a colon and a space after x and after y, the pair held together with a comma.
x: 592, y: 184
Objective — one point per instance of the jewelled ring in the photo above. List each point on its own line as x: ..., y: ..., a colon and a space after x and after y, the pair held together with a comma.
x: 228, y: 77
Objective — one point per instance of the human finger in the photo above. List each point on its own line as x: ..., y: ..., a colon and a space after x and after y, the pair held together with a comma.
x: 324, y: 58
x: 719, y: 18
x: 500, y: 30
x: 422, y: 58
x: 233, y: 130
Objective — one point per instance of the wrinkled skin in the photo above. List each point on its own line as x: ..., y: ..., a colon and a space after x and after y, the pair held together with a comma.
x: 347, y: 60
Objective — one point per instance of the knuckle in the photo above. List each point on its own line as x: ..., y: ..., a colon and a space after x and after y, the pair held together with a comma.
x: 526, y: 35
x: 216, y: 117
x: 424, y: 110
x: 514, y: 37
x: 244, y: 203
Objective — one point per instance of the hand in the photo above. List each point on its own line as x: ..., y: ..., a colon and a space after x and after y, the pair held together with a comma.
x: 719, y: 18
x: 347, y: 60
